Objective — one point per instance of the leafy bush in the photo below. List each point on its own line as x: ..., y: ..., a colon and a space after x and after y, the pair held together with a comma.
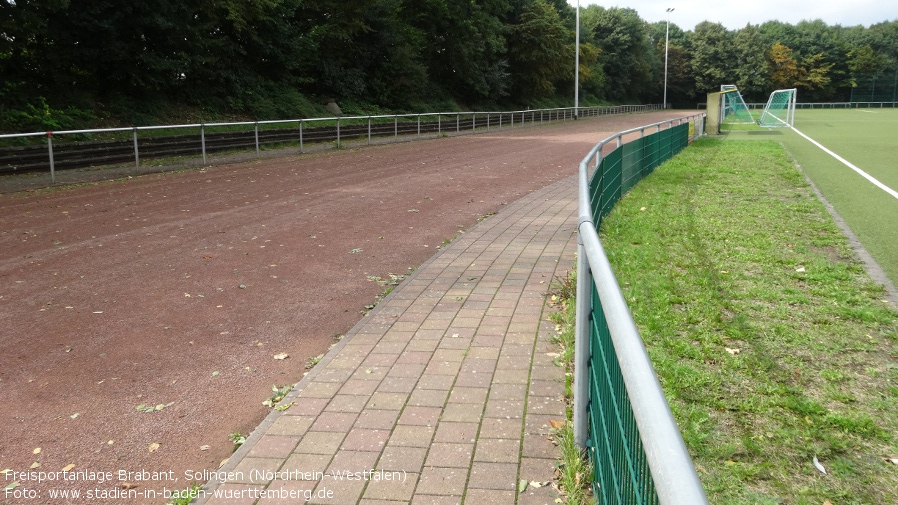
x: 37, y: 115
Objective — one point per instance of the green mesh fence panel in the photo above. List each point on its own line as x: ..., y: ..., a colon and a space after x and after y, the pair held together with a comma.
x: 621, y: 471
x: 780, y: 109
x: 879, y: 88
x: 632, y: 154
x: 734, y: 109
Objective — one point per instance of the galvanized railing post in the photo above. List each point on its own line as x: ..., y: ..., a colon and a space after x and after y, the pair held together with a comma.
x: 439, y: 125
x: 256, y: 134
x: 395, y: 127
x: 419, y: 125
x: 300, y: 137
x: 136, y: 152
x: 457, y: 123
x: 203, y: 140
x: 369, y: 130
x: 52, y: 162
x: 338, y: 133
x: 581, y: 346
x: 474, y: 121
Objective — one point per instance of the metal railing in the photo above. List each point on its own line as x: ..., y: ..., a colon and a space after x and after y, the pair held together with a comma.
x: 821, y: 105
x: 258, y: 134
x: 620, y: 412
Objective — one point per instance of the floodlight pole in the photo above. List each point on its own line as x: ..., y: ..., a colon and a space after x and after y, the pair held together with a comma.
x: 577, y: 66
x: 666, y: 46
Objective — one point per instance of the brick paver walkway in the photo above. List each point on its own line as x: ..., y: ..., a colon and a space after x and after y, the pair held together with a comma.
x: 443, y: 393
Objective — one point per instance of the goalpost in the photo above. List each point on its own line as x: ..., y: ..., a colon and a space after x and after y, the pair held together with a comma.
x: 733, y: 107
x: 780, y: 110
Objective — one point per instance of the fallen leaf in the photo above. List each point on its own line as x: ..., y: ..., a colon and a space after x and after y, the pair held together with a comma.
x: 557, y: 424
x: 522, y: 485
x: 282, y: 355
x: 37, y: 450
x: 799, y: 269
x: 35, y: 465
x: 11, y: 486
x: 68, y: 467
x: 535, y: 484
x: 154, y: 446
x: 223, y: 462
x: 819, y: 466
x: 892, y: 459
x: 733, y: 351
x: 205, y: 447
x: 215, y: 373
x: 128, y: 485
x: 110, y: 442
x: 75, y: 415
x: 827, y: 502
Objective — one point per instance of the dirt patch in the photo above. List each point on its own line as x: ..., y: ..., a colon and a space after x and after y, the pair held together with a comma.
x: 178, y: 289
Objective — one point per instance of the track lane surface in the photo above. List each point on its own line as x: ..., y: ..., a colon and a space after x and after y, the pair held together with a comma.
x: 178, y: 289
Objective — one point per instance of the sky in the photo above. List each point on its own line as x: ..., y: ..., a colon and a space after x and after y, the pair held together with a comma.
x: 736, y: 14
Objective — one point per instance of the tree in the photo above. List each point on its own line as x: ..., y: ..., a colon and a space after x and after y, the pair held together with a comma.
x: 539, y: 50
x: 713, y: 56
x: 814, y: 76
x: 627, y: 54
x: 679, y: 78
x: 464, y: 47
x: 751, y: 66
x: 785, y: 72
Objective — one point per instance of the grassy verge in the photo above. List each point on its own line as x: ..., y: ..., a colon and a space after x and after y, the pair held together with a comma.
x: 575, y: 473
x: 777, y: 353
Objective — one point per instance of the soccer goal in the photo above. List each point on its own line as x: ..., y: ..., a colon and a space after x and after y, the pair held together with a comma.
x: 780, y: 110
x: 733, y: 106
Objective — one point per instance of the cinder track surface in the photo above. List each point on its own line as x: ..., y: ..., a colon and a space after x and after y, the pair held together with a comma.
x: 179, y: 289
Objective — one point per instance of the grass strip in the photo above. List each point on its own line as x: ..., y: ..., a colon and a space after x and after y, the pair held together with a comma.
x: 776, y: 351
x: 575, y: 473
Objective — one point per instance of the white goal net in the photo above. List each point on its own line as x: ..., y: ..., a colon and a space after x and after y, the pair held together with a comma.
x: 780, y: 110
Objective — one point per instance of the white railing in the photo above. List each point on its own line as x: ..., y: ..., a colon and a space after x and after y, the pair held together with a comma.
x: 330, y: 129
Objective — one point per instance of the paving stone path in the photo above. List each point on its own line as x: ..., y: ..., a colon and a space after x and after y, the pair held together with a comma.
x: 443, y: 394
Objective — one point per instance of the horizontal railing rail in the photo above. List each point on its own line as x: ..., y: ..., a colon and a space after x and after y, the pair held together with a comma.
x: 141, y: 143
x: 620, y: 412
x: 822, y: 105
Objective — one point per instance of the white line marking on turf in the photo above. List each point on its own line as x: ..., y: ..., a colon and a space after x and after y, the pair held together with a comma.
x: 848, y: 164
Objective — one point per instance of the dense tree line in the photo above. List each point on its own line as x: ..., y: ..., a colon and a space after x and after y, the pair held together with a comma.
x: 68, y: 63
